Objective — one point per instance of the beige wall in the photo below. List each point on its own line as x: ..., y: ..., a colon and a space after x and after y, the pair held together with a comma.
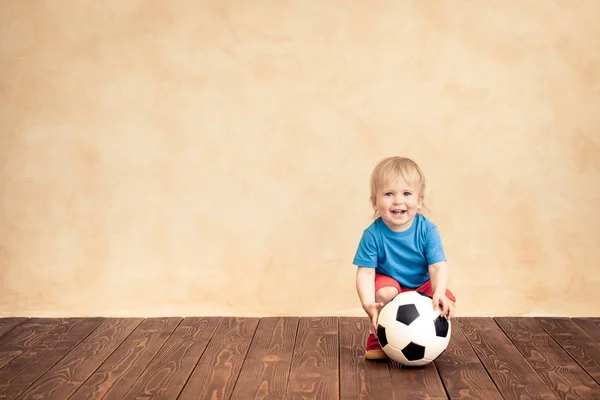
x: 212, y: 157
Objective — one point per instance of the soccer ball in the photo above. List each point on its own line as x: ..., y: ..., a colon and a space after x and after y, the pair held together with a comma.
x: 410, y: 331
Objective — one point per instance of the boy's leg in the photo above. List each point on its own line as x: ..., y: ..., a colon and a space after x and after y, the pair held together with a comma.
x: 386, y: 289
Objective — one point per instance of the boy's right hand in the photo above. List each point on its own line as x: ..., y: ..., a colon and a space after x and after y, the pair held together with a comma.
x: 372, y: 310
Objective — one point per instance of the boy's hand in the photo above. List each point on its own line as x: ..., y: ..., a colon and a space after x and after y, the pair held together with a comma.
x: 446, y: 303
x: 373, y: 310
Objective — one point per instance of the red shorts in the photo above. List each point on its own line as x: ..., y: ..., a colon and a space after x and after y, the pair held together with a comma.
x: 384, y: 280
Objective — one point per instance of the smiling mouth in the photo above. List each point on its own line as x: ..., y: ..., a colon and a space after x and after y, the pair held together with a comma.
x: 398, y: 212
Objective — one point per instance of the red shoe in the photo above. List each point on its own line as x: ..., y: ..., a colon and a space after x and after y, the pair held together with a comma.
x: 374, y: 350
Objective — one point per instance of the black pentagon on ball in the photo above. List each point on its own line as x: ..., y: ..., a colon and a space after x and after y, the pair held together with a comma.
x: 381, y: 336
x: 441, y: 326
x: 407, y: 313
x: 413, y: 352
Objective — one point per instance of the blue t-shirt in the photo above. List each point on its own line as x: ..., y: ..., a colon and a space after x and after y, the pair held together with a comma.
x: 404, y: 256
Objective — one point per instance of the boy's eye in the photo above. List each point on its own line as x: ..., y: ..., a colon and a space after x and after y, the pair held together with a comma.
x: 407, y: 193
x: 389, y: 194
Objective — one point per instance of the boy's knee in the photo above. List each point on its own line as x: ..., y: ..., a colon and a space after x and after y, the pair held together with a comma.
x: 386, y: 294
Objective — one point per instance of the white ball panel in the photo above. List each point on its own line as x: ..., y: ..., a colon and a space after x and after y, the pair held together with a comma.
x: 395, y: 354
x: 387, y: 315
x: 398, y: 335
x: 422, y: 331
x: 425, y: 306
x: 435, y: 348
x: 416, y: 363
x: 438, y: 345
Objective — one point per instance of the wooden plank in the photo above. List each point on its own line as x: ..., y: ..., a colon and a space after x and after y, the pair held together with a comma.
x: 463, y: 375
x: 314, y: 371
x: 576, y: 341
x: 118, y: 373
x: 265, y: 372
x: 29, y: 333
x: 6, y: 324
x: 416, y: 382
x: 168, y: 372
x: 591, y: 325
x: 510, y: 371
x: 360, y: 378
x: 24, y: 370
x: 19, y: 338
x: 215, y: 374
x: 65, y: 377
x: 560, y: 372
x: 8, y: 356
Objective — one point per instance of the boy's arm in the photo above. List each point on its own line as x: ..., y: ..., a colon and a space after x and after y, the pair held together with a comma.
x: 439, y: 277
x: 365, y: 286
x: 439, y: 282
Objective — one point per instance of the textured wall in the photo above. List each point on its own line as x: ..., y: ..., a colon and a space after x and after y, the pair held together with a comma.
x: 212, y: 157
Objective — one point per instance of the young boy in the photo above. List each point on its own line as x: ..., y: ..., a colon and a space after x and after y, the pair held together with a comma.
x: 401, y: 250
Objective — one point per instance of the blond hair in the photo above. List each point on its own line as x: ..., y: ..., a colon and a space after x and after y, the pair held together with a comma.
x: 392, y: 168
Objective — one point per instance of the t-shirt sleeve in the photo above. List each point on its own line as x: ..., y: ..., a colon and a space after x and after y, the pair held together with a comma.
x: 366, y: 254
x: 434, y: 249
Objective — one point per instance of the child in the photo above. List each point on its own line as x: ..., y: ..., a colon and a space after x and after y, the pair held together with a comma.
x: 401, y: 250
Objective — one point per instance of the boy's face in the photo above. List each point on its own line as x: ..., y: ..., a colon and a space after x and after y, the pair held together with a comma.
x: 398, y: 202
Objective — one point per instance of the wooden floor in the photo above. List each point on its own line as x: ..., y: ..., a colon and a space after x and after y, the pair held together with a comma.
x: 291, y: 358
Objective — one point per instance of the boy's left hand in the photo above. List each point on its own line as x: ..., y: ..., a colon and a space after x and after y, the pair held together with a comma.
x: 446, y: 304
